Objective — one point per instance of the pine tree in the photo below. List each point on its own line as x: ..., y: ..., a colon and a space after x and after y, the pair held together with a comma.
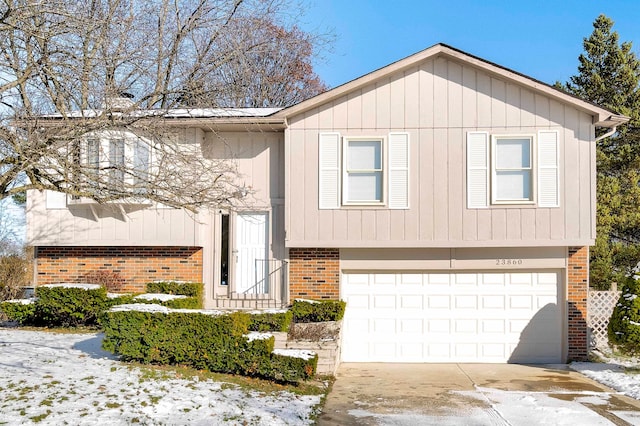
x: 609, y: 75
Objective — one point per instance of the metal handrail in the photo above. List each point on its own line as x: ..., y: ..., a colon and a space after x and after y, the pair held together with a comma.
x: 269, y: 277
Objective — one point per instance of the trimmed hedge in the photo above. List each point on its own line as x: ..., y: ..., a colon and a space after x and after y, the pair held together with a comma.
x: 69, y: 307
x: 15, y: 311
x: 624, y: 325
x: 193, y: 291
x: 271, y: 321
x: 63, y: 307
x: 213, y: 342
x: 318, y: 311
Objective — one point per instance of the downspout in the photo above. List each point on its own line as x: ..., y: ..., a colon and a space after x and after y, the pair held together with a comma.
x: 606, y: 135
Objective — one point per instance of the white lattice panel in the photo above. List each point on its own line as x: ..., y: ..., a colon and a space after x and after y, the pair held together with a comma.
x: 600, y: 307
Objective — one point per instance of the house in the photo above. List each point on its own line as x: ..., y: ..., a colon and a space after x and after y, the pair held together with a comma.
x: 448, y: 200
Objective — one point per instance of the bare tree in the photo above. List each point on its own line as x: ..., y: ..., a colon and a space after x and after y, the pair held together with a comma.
x: 266, y: 65
x: 73, y: 71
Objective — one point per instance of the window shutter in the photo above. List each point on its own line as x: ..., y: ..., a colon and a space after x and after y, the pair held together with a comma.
x: 477, y: 169
x: 548, y: 170
x: 398, y: 170
x: 329, y: 171
x: 55, y: 200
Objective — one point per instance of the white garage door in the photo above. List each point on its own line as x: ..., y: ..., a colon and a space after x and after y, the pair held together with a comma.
x: 452, y: 317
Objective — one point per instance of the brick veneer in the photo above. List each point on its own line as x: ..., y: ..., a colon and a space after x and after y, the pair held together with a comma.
x: 136, y: 265
x: 314, y: 273
x: 577, y: 293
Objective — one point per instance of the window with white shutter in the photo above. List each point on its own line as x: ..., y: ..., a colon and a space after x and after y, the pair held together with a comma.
x: 548, y: 173
x: 329, y: 171
x: 363, y: 171
x: 513, y: 169
x: 398, y: 170
x: 477, y: 169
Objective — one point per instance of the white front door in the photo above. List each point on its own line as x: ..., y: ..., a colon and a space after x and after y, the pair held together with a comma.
x: 251, y: 249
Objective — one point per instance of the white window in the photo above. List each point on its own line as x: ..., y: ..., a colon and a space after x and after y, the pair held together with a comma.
x: 512, y: 169
x: 362, y: 171
x: 119, y: 157
x: 116, y: 161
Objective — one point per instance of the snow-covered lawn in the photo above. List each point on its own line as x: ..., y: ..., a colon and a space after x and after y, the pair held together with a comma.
x: 620, y: 374
x: 53, y: 378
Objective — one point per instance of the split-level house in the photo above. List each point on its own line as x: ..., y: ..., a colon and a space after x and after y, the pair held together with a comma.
x: 448, y: 200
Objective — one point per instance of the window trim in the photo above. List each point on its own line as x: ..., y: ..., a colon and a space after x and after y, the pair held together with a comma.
x: 345, y: 171
x: 111, y: 154
x: 532, y: 169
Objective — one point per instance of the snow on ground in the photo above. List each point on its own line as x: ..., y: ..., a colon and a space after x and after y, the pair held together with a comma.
x: 612, y: 375
x: 55, y: 379
x: 159, y: 296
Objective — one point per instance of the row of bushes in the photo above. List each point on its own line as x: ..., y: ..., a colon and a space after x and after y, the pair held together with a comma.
x: 73, y: 306
x: 214, y: 342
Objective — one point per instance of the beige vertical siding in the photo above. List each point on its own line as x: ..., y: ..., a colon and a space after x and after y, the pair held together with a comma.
x: 438, y: 102
x: 259, y: 157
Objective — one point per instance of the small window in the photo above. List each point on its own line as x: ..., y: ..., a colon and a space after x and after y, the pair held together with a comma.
x: 141, y: 165
x: 512, y: 169
x: 363, y: 171
x: 116, y: 161
x: 93, y: 154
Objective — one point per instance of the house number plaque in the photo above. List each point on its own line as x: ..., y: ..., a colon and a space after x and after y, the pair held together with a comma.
x: 508, y: 262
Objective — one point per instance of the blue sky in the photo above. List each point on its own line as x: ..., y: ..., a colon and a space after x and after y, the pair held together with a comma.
x: 540, y: 38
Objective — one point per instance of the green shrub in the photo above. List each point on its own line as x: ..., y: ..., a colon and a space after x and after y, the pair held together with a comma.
x: 64, y: 307
x: 317, y: 311
x: 19, y: 312
x: 191, y: 290
x: 213, y: 342
x: 271, y: 321
x: 176, y: 287
x: 624, y: 325
x: 69, y: 306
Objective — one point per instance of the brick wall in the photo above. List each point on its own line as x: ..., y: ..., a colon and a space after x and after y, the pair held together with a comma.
x: 577, y: 293
x: 135, y: 265
x: 314, y: 273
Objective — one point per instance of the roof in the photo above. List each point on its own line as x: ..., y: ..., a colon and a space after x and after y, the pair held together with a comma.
x: 602, y: 116
x: 179, y: 113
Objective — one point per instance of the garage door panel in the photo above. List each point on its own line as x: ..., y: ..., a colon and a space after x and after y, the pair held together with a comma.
x: 412, y: 327
x: 493, y: 302
x: 412, y: 301
x: 493, y: 326
x: 521, y: 302
x: 466, y: 302
x: 494, y: 279
x: 438, y: 278
x: 493, y: 317
x: 439, y: 302
x: 439, y: 326
x: 410, y: 280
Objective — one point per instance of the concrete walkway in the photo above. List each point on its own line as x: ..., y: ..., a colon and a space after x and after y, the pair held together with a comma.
x: 472, y: 394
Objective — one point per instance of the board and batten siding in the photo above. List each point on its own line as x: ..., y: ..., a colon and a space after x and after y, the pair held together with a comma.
x: 438, y: 103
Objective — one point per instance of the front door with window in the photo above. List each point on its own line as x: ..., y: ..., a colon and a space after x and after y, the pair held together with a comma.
x: 251, y: 253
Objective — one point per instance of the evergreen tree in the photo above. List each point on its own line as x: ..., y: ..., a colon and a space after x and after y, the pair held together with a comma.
x: 609, y: 75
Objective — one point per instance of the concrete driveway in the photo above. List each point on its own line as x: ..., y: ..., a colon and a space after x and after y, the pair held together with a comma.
x: 472, y: 394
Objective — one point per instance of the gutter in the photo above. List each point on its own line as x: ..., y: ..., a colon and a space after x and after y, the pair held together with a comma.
x: 606, y: 135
